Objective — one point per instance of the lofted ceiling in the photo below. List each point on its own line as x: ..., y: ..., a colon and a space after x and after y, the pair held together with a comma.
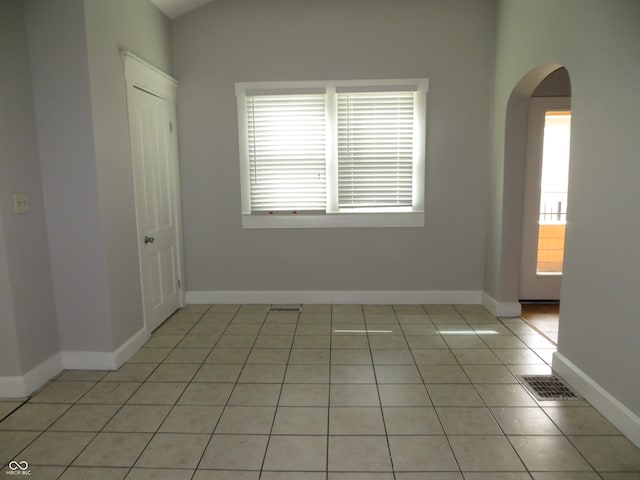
x: 175, y: 8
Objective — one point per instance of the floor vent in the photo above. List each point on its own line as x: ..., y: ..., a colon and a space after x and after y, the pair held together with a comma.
x: 548, y: 387
x: 285, y: 308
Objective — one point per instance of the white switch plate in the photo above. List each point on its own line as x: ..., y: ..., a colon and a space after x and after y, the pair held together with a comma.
x: 20, y: 203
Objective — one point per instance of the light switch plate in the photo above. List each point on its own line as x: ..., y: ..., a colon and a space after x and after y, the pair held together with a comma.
x: 20, y: 203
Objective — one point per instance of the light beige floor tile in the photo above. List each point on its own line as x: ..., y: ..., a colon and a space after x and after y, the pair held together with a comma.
x: 174, y: 372
x: 411, y: 421
x: 194, y: 309
x: 489, y: 374
x: 581, y: 421
x: 113, y: 450
x: 255, y: 394
x: 537, y: 341
x: 157, y: 393
x: 443, y: 374
x: 392, y: 357
x: 116, y: 393
x: 92, y: 473
x: 352, y: 374
x: 159, y: 474
x: 360, y: 476
x: 206, y: 394
x: 34, y: 416
x: 228, y: 355
x: 609, y: 453
x: 359, y: 454
x: 419, y: 329
x: 356, y: 421
x: 311, y: 341
x: 415, y: 453
x: 454, y: 395
x: 239, y: 420
x: 7, y: 407
x: 163, y: 341
x: 300, y: 421
x: 488, y: 453
x: 235, y: 452
x: 225, y: 475
x: 262, y: 374
x: 305, y: 453
x: 575, y: 476
x: 223, y: 308
x: 499, y: 476
x: 288, y: 329
x: 507, y: 395
x: 345, y: 308
x: 138, y: 418
x: 188, y: 355
x: 56, y: 448
x: 548, y: 453
x: 463, y: 341
x: 218, y: 373
x: 12, y: 442
x: 192, y: 419
x: 524, y: 421
x: 313, y: 329
x: 301, y: 395
x: 236, y: 341
x: 348, y: 356
x: 398, y: 395
x: 429, y: 476
x: 149, y: 355
x: 434, y: 356
x: 476, y: 356
x: 84, y: 375
x: 272, y: 356
x: 173, y: 450
x: 503, y: 341
x: 309, y: 356
x: 307, y: 374
x: 468, y: 421
x: 517, y: 356
x: 388, y: 341
x: 131, y: 372
x: 349, y: 341
x: 243, y: 329
x: 293, y: 475
x: 211, y: 329
x: 85, y: 418
x: 397, y: 374
x: 60, y: 391
x: 274, y: 341
x: 354, y: 395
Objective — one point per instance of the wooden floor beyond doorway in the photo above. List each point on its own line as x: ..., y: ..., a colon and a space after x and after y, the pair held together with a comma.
x: 544, y: 317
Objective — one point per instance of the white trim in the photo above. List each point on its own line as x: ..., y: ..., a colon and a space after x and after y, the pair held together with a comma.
x: 501, y: 309
x: 143, y: 74
x: 610, y: 407
x: 22, y: 386
x: 75, y: 360
x: 335, y: 220
x: 398, y: 297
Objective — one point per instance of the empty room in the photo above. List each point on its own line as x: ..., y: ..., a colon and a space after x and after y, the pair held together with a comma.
x: 293, y: 239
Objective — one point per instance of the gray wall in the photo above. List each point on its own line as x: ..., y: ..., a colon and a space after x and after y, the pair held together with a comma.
x: 86, y: 163
x: 450, y: 42
x: 597, y: 43
x: 28, y: 331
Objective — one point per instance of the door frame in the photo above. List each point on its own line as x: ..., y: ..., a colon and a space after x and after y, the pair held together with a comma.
x: 544, y: 286
x: 144, y: 76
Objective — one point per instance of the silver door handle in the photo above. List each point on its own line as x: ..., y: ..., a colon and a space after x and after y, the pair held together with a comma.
x: 148, y: 239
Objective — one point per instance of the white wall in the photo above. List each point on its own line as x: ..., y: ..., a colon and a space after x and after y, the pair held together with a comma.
x: 597, y: 43
x: 28, y: 331
x: 229, y: 41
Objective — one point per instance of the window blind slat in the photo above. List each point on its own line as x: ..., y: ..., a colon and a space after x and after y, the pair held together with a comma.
x: 375, y: 149
x: 286, y: 149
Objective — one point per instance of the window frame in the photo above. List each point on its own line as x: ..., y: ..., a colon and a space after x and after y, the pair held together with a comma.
x: 333, y: 217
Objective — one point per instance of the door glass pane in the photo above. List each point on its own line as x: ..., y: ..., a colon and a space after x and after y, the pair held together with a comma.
x: 553, y: 192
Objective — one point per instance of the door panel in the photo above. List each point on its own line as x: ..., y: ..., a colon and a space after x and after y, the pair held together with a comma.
x: 544, y: 212
x: 154, y: 179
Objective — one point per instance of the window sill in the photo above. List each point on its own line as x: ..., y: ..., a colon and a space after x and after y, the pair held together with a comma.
x: 335, y: 220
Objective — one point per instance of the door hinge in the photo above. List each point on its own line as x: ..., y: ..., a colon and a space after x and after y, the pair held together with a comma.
x: 179, y: 284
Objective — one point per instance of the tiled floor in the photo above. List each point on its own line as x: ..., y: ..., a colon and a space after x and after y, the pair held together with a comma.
x: 335, y: 392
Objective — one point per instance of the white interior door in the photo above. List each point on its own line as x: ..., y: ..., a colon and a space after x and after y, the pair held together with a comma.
x: 545, y: 198
x: 155, y: 174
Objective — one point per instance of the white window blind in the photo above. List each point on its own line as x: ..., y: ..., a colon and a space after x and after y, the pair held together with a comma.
x: 375, y: 149
x: 286, y: 152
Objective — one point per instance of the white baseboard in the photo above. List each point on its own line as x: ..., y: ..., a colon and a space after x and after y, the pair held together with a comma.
x: 501, y: 309
x: 22, y: 386
x: 25, y: 385
x: 611, y: 408
x: 379, y: 297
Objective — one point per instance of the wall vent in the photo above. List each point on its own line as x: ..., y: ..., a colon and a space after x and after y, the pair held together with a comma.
x: 285, y: 308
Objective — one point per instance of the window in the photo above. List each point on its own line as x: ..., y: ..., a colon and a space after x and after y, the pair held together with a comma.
x: 332, y: 154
